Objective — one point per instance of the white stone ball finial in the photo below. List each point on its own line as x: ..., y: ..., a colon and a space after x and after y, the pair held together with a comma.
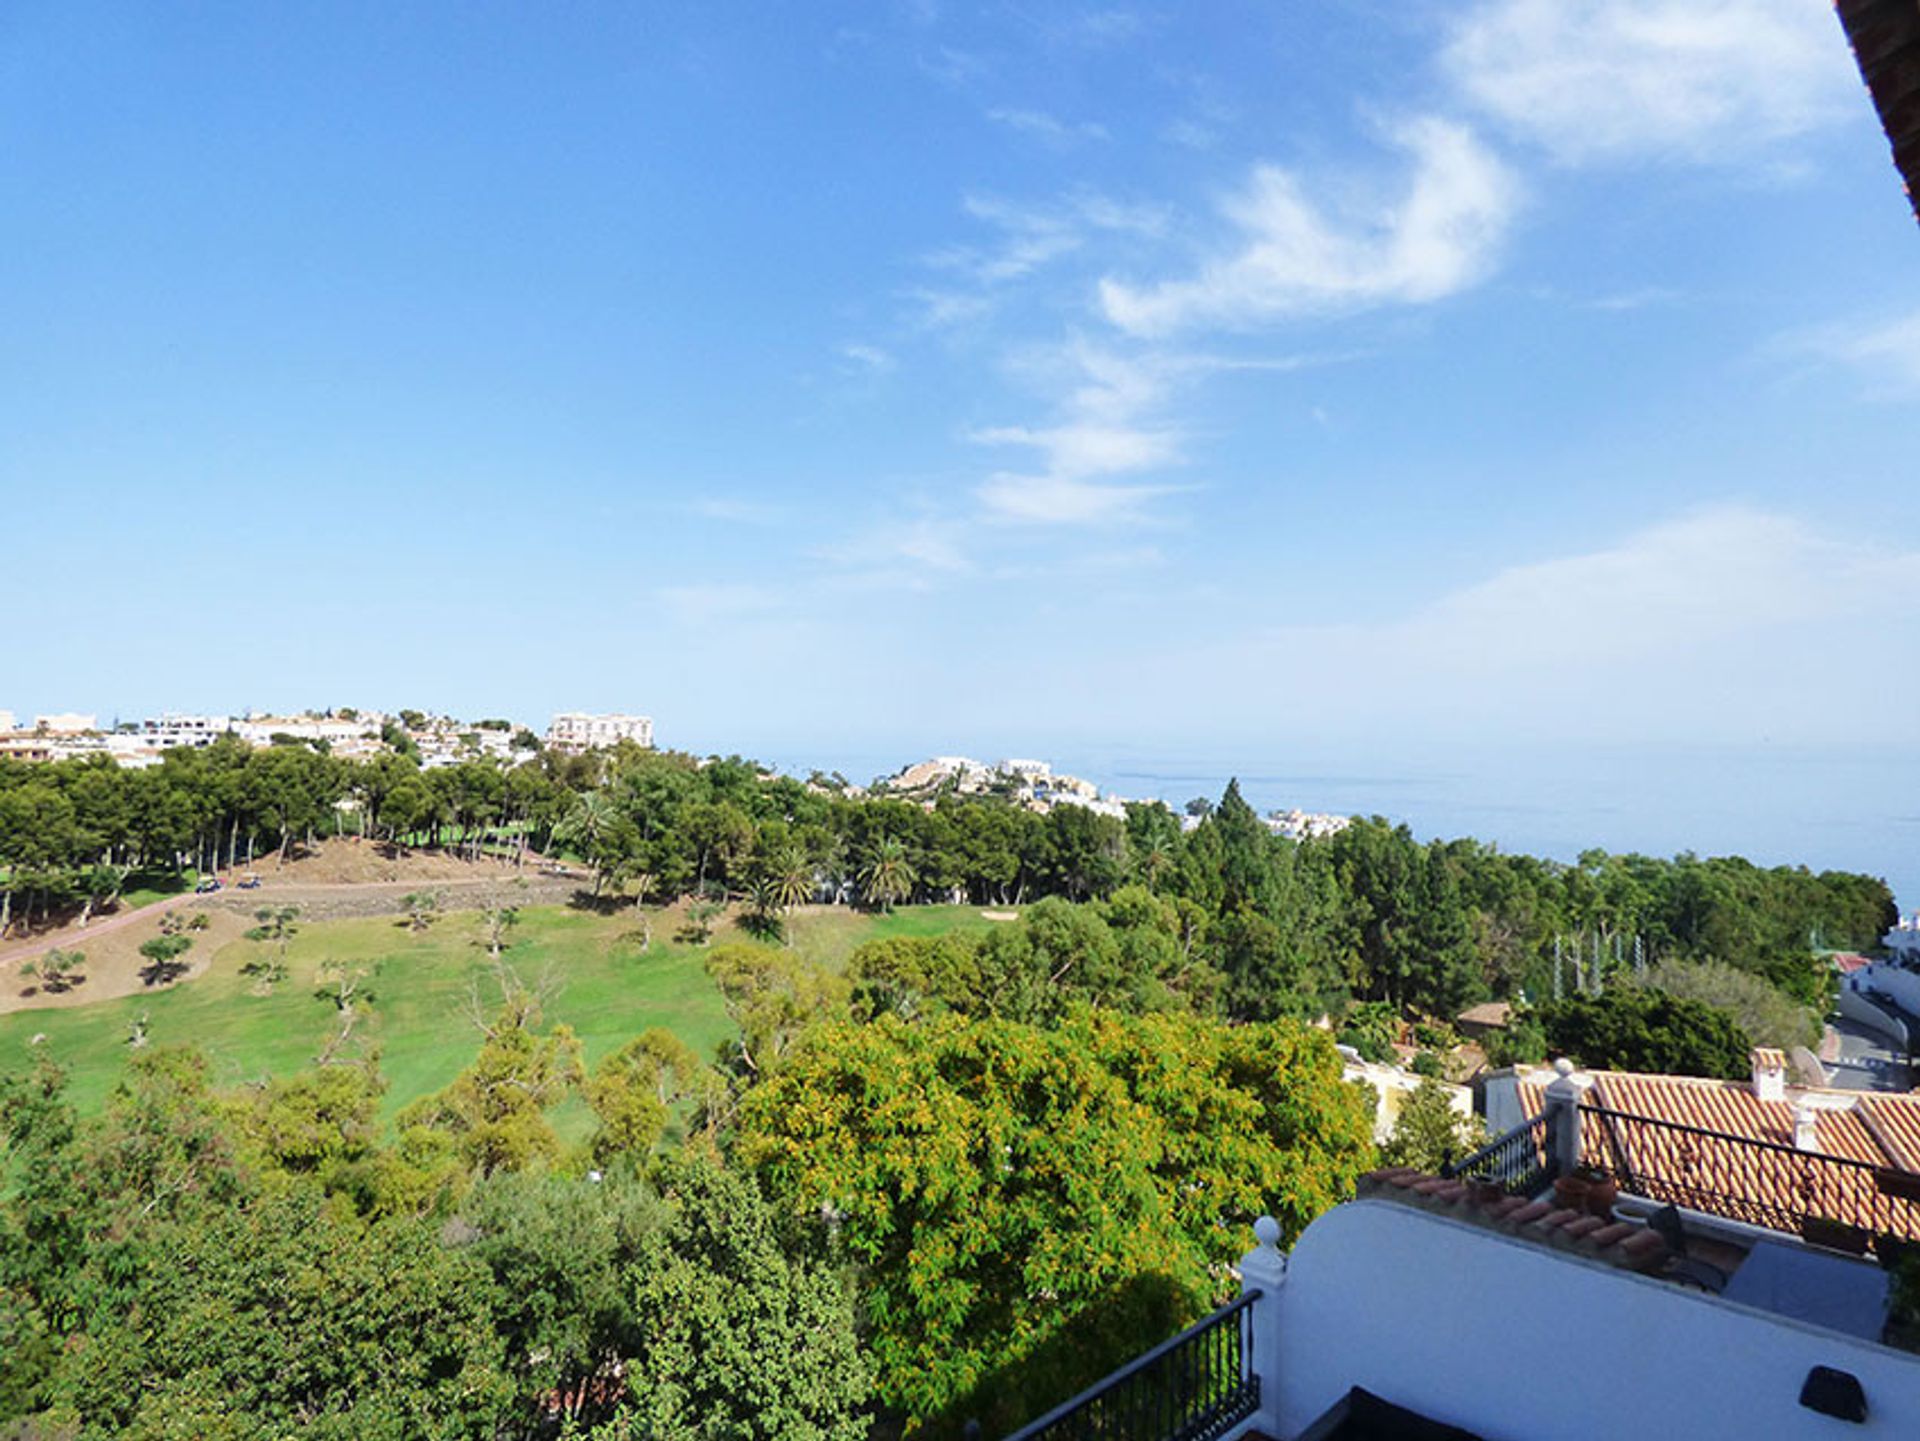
x: 1563, y: 1067
x: 1266, y: 1231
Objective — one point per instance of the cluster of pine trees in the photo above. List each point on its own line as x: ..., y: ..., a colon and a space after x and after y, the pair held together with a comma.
x: 1369, y: 914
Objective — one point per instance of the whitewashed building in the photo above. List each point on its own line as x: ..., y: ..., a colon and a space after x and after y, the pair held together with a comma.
x: 577, y: 731
x: 1903, y: 941
x: 260, y: 730
x: 191, y: 732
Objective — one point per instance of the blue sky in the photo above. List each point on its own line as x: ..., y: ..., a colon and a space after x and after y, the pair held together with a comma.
x: 1379, y: 383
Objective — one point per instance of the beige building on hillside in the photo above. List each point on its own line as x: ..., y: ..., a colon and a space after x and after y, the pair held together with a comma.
x: 577, y: 731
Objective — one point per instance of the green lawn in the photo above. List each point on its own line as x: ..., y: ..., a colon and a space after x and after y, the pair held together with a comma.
x: 603, y: 985
x: 143, y: 888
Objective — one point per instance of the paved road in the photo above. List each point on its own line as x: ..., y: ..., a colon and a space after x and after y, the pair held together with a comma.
x: 1867, y: 1060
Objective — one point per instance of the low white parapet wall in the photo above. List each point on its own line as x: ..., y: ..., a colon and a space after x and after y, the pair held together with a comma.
x: 1858, y: 1006
x: 1509, y: 1338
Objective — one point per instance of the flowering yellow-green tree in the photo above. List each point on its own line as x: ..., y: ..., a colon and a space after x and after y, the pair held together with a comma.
x: 1029, y: 1206
x: 496, y: 1110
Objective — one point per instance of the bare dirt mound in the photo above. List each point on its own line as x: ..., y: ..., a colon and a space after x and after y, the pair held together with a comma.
x: 342, y: 901
x: 114, y: 966
x: 349, y: 862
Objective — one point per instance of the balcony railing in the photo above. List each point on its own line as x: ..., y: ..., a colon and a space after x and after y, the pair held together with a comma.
x: 1832, y: 1200
x: 1519, y: 1163
x: 1196, y: 1387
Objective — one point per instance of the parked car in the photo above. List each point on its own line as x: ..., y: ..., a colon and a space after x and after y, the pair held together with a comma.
x: 248, y: 882
x: 207, y: 883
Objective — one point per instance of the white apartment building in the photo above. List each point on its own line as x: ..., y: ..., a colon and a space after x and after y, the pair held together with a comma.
x: 6, y: 720
x: 1033, y: 772
x: 335, y: 730
x: 1299, y: 825
x: 66, y: 723
x: 189, y: 731
x: 577, y: 731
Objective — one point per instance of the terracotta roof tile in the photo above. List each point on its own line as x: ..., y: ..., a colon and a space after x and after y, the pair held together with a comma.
x: 1881, y: 1130
x: 1895, y: 1123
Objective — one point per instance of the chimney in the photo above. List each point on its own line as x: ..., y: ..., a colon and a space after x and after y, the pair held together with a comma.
x: 1806, y: 1127
x: 1769, y: 1073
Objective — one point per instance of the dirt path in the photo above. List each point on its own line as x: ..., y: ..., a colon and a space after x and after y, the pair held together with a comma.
x: 77, y: 936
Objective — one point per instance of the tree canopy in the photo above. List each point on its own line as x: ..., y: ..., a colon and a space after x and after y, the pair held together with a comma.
x: 1636, y: 1029
x: 1024, y: 1202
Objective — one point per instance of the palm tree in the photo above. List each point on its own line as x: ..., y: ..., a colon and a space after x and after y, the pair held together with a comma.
x: 1154, y: 860
x: 791, y: 876
x: 762, y: 915
x: 888, y: 875
x: 591, y: 820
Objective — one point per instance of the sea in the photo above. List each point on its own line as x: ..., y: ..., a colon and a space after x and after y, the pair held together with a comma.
x: 1824, y: 809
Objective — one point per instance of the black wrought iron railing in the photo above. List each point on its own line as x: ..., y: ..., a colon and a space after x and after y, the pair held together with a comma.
x: 1832, y: 1200
x: 1519, y: 1163
x: 1196, y: 1387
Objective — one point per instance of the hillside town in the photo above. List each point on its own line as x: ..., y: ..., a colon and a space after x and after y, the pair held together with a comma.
x: 352, y: 733
x: 349, y: 733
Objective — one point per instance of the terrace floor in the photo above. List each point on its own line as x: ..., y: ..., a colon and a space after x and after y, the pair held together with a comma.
x: 1784, y: 1276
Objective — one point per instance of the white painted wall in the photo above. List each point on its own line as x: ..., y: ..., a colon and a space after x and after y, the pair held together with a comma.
x: 1392, y: 1087
x: 1515, y: 1340
x: 1902, y: 984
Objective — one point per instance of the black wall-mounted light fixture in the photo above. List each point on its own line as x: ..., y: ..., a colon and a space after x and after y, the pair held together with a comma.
x: 1834, y: 1393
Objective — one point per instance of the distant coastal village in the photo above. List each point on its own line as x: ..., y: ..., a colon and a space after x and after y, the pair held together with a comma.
x: 1035, y: 786
x: 439, y: 740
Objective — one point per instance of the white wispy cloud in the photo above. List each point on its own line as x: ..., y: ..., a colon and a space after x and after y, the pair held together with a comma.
x: 1103, y: 212
x: 1726, y: 621
x: 1110, y: 26
x: 1190, y: 133
x: 714, y: 603
x: 1639, y: 298
x: 904, y: 553
x: 1295, y: 255
x: 1027, y: 239
x: 1106, y: 406
x: 1887, y: 354
x: 944, y: 308
x: 1075, y: 451
x: 1021, y: 242
x: 1673, y: 588
x: 956, y: 69
x: 734, y: 510
x: 1043, y: 126
x: 869, y: 358
x: 1601, y: 80
x: 1061, y: 500
x: 1110, y: 406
